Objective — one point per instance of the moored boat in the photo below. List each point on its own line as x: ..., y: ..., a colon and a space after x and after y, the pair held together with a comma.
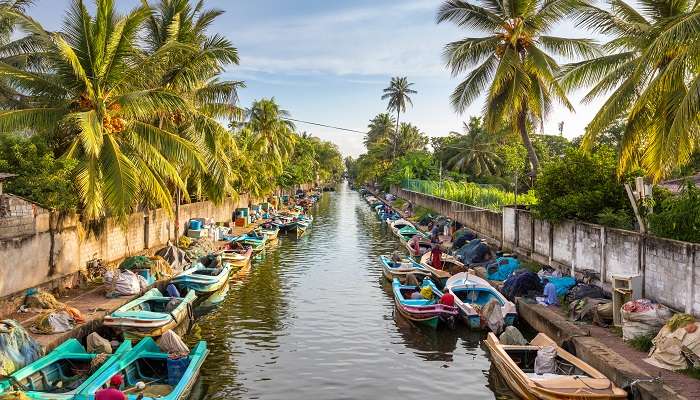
x: 61, y: 374
x: 203, y: 280
x: 237, y: 256
x: 392, y: 269
x: 148, y: 364
x: 152, y: 314
x: 417, y: 246
x: 472, y: 294
x: 450, y: 266
x: 422, y: 310
x: 572, y: 378
x: 399, y: 224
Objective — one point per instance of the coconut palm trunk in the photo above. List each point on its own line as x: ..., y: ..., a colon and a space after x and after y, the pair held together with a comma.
x: 396, y: 134
x: 531, y: 154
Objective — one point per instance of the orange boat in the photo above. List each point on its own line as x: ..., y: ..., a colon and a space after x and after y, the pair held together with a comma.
x: 573, y: 378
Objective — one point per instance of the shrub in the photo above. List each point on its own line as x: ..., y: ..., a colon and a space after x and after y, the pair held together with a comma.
x: 469, y: 193
x: 677, y: 217
x: 582, y: 186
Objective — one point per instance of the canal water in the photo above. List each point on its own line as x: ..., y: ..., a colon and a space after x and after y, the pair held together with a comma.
x: 315, y: 320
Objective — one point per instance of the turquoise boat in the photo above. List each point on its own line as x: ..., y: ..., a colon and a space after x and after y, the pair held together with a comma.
x: 151, y: 314
x: 203, y: 280
x: 61, y: 374
x: 257, y: 242
x: 408, y: 232
x: 421, y: 310
x: 401, y: 269
x: 165, y: 379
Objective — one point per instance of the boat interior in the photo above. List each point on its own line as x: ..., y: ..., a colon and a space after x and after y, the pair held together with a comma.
x: 151, y: 370
x: 478, y: 296
x: 207, y: 271
x: 407, y: 292
x: 525, y: 359
x: 160, y: 305
x: 62, y: 376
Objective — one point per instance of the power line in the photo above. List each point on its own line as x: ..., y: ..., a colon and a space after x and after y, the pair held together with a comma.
x: 324, y: 125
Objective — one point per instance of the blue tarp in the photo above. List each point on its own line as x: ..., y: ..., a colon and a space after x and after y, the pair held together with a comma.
x: 562, y: 284
x: 502, y: 268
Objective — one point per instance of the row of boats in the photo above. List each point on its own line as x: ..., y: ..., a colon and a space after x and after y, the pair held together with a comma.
x: 71, y: 372
x: 420, y: 289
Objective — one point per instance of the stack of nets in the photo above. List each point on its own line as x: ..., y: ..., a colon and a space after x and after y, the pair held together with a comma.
x: 17, y: 348
x: 56, y: 316
x: 136, y: 262
x: 161, y: 269
x: 200, y: 248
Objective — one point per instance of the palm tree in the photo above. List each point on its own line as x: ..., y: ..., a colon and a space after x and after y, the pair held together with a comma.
x: 381, y: 130
x: 474, y: 151
x: 272, y: 131
x: 94, y: 91
x: 650, y: 71
x: 410, y: 139
x: 193, y: 75
x: 398, y: 93
x: 511, y: 64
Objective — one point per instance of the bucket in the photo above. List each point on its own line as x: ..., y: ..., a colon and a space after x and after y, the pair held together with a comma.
x: 176, y: 369
x: 195, y: 224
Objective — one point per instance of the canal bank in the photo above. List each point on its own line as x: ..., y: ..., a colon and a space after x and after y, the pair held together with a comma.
x: 594, y: 345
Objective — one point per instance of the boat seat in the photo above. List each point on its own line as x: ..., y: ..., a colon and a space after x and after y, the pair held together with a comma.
x: 51, y: 374
x: 36, y: 382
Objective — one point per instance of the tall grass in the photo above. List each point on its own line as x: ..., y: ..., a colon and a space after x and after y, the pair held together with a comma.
x: 469, y: 193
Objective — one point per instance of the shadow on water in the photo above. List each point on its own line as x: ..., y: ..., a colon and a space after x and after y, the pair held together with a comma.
x: 315, y: 320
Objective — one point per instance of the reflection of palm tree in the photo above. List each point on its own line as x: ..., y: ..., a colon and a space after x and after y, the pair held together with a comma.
x: 398, y: 93
x: 511, y: 63
x: 652, y: 79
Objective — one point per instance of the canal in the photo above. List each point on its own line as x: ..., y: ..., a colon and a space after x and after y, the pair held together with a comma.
x: 315, y: 320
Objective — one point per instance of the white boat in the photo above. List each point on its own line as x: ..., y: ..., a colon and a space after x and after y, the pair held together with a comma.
x: 472, y: 294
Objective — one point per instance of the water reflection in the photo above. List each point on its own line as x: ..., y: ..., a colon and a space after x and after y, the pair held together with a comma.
x: 315, y: 320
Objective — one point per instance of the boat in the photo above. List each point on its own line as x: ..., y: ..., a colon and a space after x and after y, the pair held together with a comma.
x: 270, y: 231
x: 61, y: 374
x: 401, y: 269
x: 151, y: 314
x: 574, y: 379
x: 164, y: 378
x: 450, y: 266
x: 422, y: 311
x: 252, y: 239
x: 237, y: 256
x: 204, y: 280
x: 472, y: 294
x: 424, y: 246
x: 400, y: 224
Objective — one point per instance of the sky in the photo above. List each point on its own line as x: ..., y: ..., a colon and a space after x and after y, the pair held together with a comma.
x: 328, y: 61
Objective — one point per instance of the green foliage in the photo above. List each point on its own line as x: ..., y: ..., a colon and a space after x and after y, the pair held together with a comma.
x: 677, y: 217
x: 41, y: 177
x: 580, y: 185
x: 414, y: 165
x: 620, y: 219
x: 469, y: 193
x: 642, y: 343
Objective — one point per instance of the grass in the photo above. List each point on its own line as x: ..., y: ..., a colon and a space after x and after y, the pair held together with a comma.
x: 420, y: 212
x: 642, y: 343
x: 616, y: 330
x: 483, y: 196
x: 530, y: 266
x: 399, y: 203
x: 692, y: 372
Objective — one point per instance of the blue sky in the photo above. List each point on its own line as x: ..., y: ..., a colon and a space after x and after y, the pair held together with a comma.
x: 327, y: 61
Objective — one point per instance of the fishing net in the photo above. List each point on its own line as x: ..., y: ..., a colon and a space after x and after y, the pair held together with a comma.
x: 14, y: 396
x: 17, y: 348
x: 43, y: 300
x: 160, y: 269
x: 98, y: 360
x: 679, y: 321
x: 200, y: 248
x: 53, y: 322
x: 136, y: 262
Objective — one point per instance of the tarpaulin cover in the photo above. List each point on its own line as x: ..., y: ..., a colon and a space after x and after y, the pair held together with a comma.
x: 522, y: 284
x: 473, y: 252
x: 462, y: 237
x: 512, y: 337
x: 563, y: 284
x: 585, y: 290
x: 94, y: 343
x: 17, y: 348
x: 174, y: 256
x: 502, y: 268
x: 669, y: 345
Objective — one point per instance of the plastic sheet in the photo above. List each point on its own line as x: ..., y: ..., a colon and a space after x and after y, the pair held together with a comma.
x: 125, y: 283
x: 53, y: 322
x: 512, y: 336
x: 493, y: 316
x: 545, y: 362
x: 563, y: 284
x: 502, y: 268
x: 97, y: 344
x: 17, y: 348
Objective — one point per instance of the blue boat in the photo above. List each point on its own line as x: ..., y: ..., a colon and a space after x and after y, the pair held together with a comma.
x: 421, y: 310
x: 203, y: 280
x: 472, y: 294
x: 402, y: 268
x: 164, y: 378
x: 61, y: 374
x: 257, y: 242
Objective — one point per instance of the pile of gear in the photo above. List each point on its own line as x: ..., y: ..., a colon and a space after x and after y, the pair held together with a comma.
x: 17, y: 348
x: 55, y: 317
x: 677, y: 345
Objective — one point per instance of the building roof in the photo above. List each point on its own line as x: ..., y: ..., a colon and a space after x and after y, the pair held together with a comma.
x: 5, y: 175
x: 675, y: 185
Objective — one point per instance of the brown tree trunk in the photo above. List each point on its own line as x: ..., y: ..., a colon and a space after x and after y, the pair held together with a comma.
x: 531, y: 154
x: 396, y: 134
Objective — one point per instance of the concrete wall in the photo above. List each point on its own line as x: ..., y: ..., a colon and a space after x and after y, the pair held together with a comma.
x: 670, y: 269
x: 25, y: 258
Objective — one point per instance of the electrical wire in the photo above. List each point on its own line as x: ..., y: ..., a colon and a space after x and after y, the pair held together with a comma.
x: 324, y: 125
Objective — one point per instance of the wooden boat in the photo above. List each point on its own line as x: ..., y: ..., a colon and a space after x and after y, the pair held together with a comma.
x: 450, y: 266
x: 237, y: 257
x: 408, y: 232
x: 203, y: 280
x: 271, y: 232
x: 400, y: 270
x: 472, y: 293
x: 257, y: 242
x: 151, y: 314
x: 61, y: 374
x: 422, y: 311
x: 424, y: 246
x: 400, y: 224
x: 574, y: 379
x: 148, y: 364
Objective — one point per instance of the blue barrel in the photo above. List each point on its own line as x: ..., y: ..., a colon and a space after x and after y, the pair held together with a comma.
x: 195, y: 224
x: 176, y: 369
